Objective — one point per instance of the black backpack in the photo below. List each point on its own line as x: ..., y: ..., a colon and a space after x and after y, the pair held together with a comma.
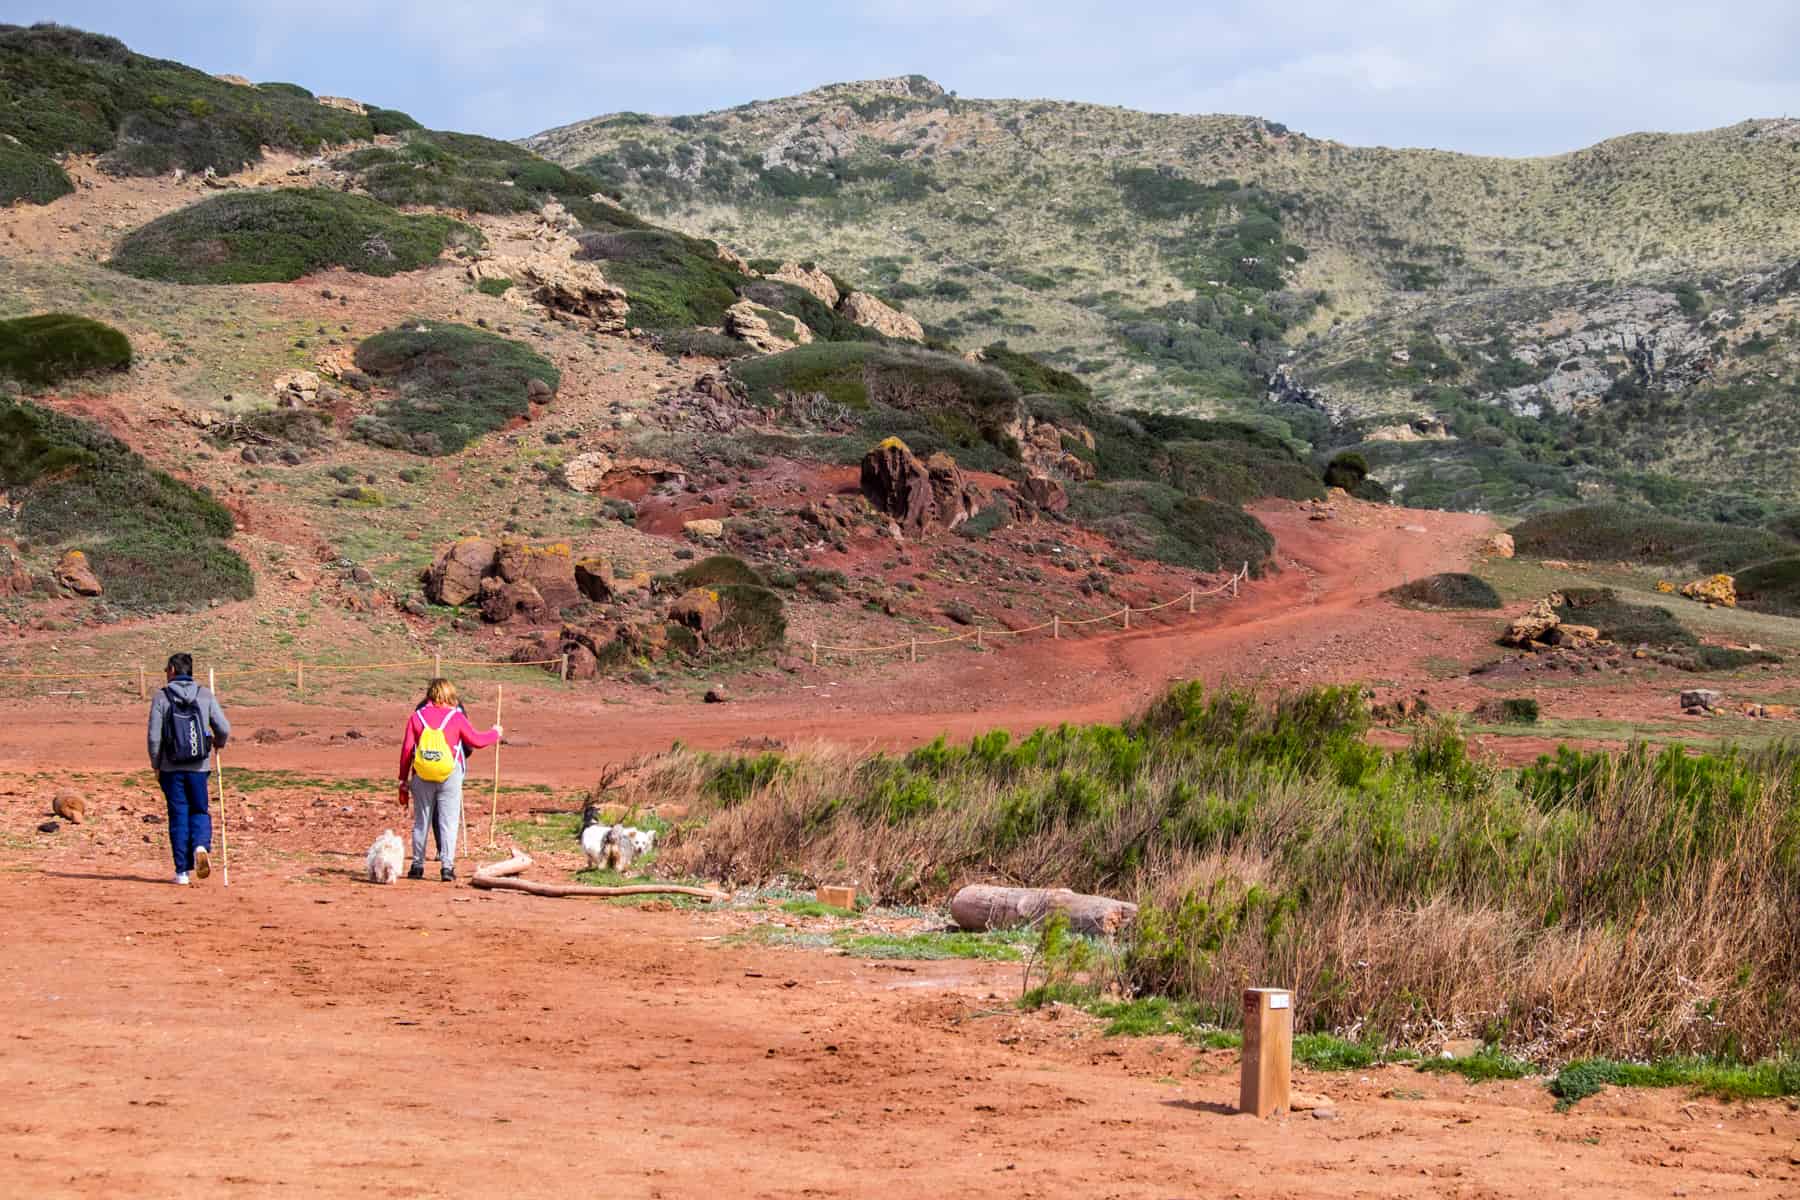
x: 187, y: 735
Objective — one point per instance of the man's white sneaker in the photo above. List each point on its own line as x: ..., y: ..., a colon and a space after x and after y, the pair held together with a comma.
x: 181, y: 879
x: 202, y: 862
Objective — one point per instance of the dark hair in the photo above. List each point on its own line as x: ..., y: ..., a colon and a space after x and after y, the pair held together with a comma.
x: 181, y: 664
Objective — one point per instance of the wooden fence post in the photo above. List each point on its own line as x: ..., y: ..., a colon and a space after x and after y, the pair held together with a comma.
x: 1190, y: 601
x: 915, y: 649
x: 978, y: 637
x: 815, y: 649
x: 565, y: 668
x: 1268, y: 1051
x: 1055, y: 626
x: 143, y: 694
x: 300, y: 678
x: 437, y: 670
x: 1128, y: 616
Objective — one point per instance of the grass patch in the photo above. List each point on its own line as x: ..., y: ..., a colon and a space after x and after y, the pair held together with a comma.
x: 1328, y: 1052
x: 938, y: 945
x: 1451, y: 589
x: 156, y: 543
x: 46, y: 349
x: 717, y: 570
x: 1618, y: 532
x: 66, y: 91
x: 494, y: 287
x: 1771, y: 587
x: 1484, y: 1066
x: 804, y: 907
x: 1767, y: 1079
x: 279, y: 236
x: 454, y: 383
x: 671, y: 280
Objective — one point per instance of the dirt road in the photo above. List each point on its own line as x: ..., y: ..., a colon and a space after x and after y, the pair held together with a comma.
x: 1318, y: 619
x: 331, y: 1037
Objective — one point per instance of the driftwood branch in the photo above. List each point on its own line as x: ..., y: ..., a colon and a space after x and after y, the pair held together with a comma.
x: 982, y: 906
x: 496, y: 877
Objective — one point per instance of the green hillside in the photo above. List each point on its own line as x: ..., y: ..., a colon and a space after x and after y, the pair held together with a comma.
x: 1177, y: 262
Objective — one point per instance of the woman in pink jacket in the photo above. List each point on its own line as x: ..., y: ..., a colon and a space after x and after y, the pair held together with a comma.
x: 438, y: 806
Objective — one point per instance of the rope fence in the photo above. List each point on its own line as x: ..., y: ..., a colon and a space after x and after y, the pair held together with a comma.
x: 978, y: 635
x: 1056, y: 624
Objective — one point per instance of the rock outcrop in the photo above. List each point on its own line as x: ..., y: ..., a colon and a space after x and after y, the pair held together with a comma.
x: 1535, y: 626
x: 704, y: 527
x: 898, y: 484
x: 598, y: 473
x: 547, y: 570
x: 698, y: 609
x: 749, y: 325
x: 455, y: 578
x: 1713, y: 589
x: 74, y: 574
x: 812, y: 279
x: 15, y: 580
x: 1042, y: 449
x: 883, y: 318
x: 1045, y: 493
x: 1500, y: 545
x: 343, y: 102
x: 954, y: 498
x: 574, y: 292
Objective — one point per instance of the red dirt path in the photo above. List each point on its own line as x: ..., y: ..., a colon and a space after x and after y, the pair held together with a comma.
x: 307, y: 1033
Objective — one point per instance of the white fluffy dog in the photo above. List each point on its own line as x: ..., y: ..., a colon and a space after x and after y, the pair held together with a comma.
x: 612, y: 846
x: 642, y: 839
x: 386, y: 857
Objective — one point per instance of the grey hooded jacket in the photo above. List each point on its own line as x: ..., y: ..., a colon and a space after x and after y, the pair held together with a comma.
x: 186, y: 689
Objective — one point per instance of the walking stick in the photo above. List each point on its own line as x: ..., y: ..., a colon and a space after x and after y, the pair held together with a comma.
x: 494, y: 809
x: 219, y: 766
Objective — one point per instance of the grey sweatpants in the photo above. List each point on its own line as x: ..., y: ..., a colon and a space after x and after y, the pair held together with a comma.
x: 439, y: 806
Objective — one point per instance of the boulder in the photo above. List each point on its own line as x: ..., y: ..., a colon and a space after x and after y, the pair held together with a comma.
x: 586, y: 472
x: 1045, y: 492
x: 705, y: 527
x: 15, y: 580
x: 749, y: 325
x: 593, y: 579
x: 549, y: 570
x: 74, y: 574
x: 343, y: 102
x: 871, y: 313
x: 697, y: 609
x: 1500, y: 545
x: 502, y: 602
x: 954, y: 498
x: 810, y: 278
x: 301, y: 386
x: 1713, y: 589
x: 455, y: 578
x: 1700, y: 700
x: 584, y: 664
x: 898, y: 484
x: 1535, y: 625
x: 571, y: 291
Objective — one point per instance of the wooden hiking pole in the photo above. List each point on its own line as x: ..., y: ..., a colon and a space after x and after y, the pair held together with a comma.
x: 494, y: 810
x: 219, y: 768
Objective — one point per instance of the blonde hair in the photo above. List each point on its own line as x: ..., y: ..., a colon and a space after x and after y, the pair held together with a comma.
x: 441, y: 692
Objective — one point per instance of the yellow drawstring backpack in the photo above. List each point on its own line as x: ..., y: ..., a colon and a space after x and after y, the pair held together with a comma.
x: 432, y: 760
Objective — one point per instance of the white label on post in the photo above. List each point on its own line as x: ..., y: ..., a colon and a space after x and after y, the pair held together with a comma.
x: 1280, y: 1000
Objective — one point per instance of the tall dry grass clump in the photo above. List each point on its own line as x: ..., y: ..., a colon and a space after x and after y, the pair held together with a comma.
x: 1632, y: 903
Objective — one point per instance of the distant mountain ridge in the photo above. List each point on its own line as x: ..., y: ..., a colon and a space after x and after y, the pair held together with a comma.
x: 1179, y: 261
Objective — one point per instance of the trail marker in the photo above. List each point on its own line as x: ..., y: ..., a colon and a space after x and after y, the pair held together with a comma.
x: 1268, y: 1051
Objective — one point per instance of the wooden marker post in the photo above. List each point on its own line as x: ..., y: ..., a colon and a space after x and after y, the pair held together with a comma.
x: 1268, y: 1051
x: 494, y: 809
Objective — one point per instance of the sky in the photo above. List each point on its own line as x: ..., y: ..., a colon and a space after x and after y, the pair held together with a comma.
x: 1513, y: 77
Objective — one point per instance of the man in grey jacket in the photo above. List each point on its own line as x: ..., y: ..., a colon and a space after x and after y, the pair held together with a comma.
x: 182, y: 759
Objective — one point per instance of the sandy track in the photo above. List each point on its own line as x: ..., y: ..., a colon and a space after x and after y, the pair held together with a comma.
x: 337, y: 1038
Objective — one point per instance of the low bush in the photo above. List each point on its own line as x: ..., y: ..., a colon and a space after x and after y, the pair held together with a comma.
x: 451, y: 384
x: 155, y: 543
x: 1771, y: 587
x: 1347, y: 471
x: 1513, y: 711
x: 703, y: 343
x: 1399, y: 892
x: 278, y: 236
x: 66, y: 91
x: 1452, y: 589
x: 26, y: 174
x: 751, y: 619
x: 1154, y: 520
x: 718, y: 570
x: 42, y: 350
x: 494, y: 287
x: 391, y: 120
x: 1623, y: 622
x: 672, y: 281
x: 1617, y: 532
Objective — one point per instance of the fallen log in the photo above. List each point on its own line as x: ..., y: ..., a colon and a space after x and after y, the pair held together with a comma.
x: 495, y: 877
x: 982, y: 906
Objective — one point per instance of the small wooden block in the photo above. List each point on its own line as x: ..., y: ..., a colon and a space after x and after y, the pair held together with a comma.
x: 1268, y: 1051
x: 837, y: 897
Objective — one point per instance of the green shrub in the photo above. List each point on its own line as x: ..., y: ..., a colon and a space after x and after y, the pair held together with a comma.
x: 463, y: 171
x: 45, y: 349
x: 1032, y: 377
x: 155, y: 543
x: 28, y: 175
x: 751, y: 618
x: 453, y: 384
x: 672, y: 281
x: 1514, y: 711
x: 287, y: 89
x: 718, y: 570
x: 1347, y: 471
x: 1619, y: 621
x: 1452, y: 589
x: 703, y: 343
x: 1771, y: 587
x: 66, y: 91
x: 1154, y: 520
x: 279, y: 236
x: 1615, y: 532
x: 391, y: 120
x: 492, y: 286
